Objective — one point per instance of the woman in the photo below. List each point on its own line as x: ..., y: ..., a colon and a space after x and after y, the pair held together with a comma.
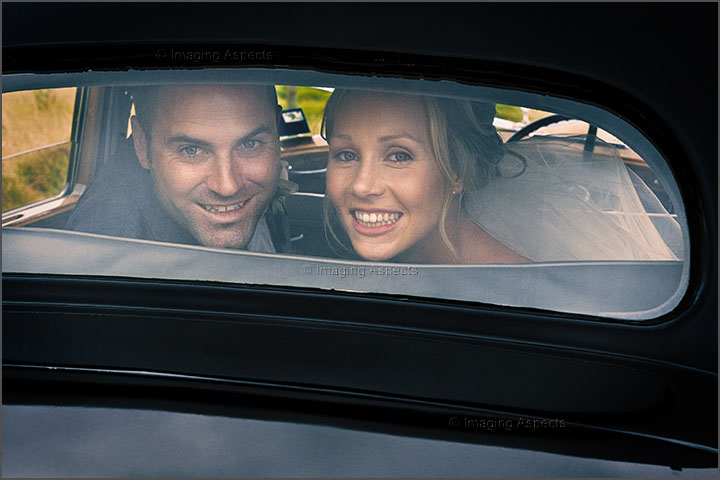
x: 420, y: 179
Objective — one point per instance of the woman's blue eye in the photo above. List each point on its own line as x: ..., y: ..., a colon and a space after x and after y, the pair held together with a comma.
x: 400, y: 157
x: 250, y: 144
x: 346, y: 156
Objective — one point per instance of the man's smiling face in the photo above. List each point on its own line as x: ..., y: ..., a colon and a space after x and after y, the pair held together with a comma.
x: 214, y: 157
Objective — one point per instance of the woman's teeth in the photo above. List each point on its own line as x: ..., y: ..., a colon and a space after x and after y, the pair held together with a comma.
x: 223, y: 208
x: 374, y: 220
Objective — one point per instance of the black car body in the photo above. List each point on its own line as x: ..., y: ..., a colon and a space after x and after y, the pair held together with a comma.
x: 181, y: 369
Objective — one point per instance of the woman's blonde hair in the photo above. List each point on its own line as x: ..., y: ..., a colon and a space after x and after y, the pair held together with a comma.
x: 464, y: 142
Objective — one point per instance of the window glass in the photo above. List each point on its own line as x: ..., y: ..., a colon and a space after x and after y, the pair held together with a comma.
x: 381, y: 186
x: 36, y: 129
x: 310, y: 100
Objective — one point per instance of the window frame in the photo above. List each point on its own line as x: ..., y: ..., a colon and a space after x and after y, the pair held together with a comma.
x: 592, y: 114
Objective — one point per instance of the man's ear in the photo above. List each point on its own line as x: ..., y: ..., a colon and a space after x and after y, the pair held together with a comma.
x: 140, y: 141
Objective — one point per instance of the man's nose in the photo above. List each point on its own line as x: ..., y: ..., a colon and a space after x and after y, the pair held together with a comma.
x: 226, y: 177
x: 368, y: 181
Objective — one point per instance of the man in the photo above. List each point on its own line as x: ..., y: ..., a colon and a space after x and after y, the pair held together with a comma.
x: 204, y: 170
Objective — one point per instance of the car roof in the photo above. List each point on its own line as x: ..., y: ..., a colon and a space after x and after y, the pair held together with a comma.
x: 663, y: 55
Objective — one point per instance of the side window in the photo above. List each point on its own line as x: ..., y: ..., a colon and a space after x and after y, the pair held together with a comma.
x: 311, y: 100
x: 36, y: 129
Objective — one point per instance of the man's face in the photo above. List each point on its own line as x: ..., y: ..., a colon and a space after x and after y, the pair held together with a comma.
x: 214, y: 157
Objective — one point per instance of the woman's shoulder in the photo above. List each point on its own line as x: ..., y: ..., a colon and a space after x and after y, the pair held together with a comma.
x: 477, y: 247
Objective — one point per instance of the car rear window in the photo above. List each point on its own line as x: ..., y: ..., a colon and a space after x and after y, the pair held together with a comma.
x: 372, y: 185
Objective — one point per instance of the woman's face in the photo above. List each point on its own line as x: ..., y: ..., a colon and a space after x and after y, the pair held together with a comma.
x: 382, y: 177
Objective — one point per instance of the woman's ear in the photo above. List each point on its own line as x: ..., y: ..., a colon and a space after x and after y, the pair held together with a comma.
x: 457, y: 185
x: 140, y: 142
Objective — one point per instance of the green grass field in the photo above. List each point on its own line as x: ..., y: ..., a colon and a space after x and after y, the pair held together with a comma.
x: 34, y: 119
x: 508, y: 112
x: 38, y: 175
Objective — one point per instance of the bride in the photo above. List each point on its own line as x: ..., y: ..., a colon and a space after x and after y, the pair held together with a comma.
x: 420, y: 179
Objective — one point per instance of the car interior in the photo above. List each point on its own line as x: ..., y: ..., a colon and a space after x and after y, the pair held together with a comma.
x: 104, y: 112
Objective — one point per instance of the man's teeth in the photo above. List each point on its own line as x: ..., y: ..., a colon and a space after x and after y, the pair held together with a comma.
x: 223, y: 208
x: 374, y: 220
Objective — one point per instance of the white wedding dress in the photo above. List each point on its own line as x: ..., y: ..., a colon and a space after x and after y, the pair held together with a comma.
x: 572, y: 205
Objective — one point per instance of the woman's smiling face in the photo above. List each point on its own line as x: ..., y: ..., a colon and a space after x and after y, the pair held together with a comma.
x: 382, y: 176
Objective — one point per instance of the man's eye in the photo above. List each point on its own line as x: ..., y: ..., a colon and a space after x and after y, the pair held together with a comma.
x: 190, y: 151
x: 251, y: 147
x: 251, y: 144
x: 345, y: 156
x: 400, y: 157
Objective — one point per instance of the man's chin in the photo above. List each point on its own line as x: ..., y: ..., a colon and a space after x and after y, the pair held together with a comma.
x: 223, y: 240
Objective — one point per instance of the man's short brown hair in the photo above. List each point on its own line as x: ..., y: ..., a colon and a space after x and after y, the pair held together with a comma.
x: 145, y: 100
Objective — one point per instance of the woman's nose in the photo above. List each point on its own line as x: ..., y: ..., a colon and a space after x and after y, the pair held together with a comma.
x: 367, y: 181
